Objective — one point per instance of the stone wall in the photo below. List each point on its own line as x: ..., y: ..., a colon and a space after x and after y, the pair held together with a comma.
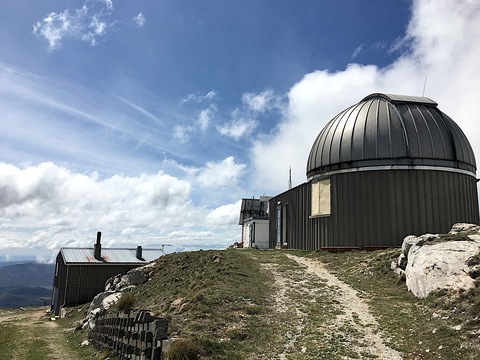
x: 133, y: 335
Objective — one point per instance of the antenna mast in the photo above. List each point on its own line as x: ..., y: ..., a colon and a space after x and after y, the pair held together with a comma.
x: 290, y: 178
x: 424, y: 86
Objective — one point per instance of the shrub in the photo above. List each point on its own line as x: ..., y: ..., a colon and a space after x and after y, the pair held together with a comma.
x: 184, y: 349
x: 126, y: 302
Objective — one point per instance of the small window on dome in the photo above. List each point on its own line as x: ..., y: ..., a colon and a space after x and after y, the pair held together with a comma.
x: 321, y: 198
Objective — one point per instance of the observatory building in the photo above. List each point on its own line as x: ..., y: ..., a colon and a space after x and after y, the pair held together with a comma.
x: 382, y: 169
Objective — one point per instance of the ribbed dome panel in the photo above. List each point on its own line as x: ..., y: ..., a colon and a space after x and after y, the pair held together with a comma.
x: 388, y: 130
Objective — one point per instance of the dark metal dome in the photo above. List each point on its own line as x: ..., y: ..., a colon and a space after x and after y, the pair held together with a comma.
x: 391, y: 130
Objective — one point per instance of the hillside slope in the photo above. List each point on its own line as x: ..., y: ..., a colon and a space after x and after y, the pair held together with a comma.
x: 246, y: 304
x: 27, y: 275
x: 26, y: 284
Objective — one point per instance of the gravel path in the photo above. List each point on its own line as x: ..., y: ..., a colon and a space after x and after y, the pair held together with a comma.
x: 355, y: 311
x: 320, y: 317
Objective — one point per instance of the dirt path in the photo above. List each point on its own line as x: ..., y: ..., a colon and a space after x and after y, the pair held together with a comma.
x: 356, y: 312
x: 322, y: 317
x: 34, y: 326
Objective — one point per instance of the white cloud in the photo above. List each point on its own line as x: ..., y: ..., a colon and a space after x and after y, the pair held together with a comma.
x: 108, y: 4
x: 223, y: 173
x: 180, y: 133
x: 357, y: 51
x: 49, y: 194
x: 139, y: 20
x: 96, y: 30
x: 238, y: 127
x: 259, y: 102
x: 53, y: 28
x: 206, y: 116
x: 204, y: 119
x: 245, y: 118
x: 440, y: 42
x: 225, y: 214
x: 88, y: 24
x: 199, y: 98
x: 61, y: 208
x: 211, y: 95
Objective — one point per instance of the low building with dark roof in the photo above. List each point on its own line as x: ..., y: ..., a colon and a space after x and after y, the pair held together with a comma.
x: 254, y: 221
x: 380, y: 170
x: 81, y: 273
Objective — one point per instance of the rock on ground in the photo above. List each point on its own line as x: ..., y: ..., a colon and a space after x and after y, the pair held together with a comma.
x: 114, y: 288
x: 433, y: 262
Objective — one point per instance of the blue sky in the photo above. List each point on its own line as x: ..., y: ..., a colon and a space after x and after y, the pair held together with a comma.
x: 150, y: 120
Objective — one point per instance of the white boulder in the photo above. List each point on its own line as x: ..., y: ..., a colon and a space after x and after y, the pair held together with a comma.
x: 115, y: 287
x: 111, y: 300
x: 433, y: 262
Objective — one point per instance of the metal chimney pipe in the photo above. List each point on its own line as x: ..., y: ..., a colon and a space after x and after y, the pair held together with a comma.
x: 97, y: 250
x: 139, y: 253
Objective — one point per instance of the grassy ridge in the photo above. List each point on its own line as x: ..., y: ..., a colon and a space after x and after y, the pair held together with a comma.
x: 261, y: 305
x: 215, y: 298
x: 224, y: 301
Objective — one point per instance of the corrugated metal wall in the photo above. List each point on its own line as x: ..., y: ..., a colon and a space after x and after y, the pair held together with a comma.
x: 86, y: 281
x: 377, y: 209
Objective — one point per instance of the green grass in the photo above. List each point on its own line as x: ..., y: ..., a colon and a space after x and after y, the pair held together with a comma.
x: 21, y: 342
x: 8, y: 340
x: 37, y: 349
x: 73, y: 337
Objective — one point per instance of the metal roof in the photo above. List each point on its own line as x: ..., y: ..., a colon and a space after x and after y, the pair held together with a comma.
x: 253, y: 208
x: 401, y: 99
x: 109, y: 255
x: 389, y: 130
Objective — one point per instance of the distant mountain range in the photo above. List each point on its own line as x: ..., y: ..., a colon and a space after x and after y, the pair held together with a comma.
x: 15, y: 262
x: 25, y: 284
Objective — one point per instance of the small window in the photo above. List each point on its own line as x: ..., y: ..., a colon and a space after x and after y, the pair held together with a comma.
x: 321, y: 198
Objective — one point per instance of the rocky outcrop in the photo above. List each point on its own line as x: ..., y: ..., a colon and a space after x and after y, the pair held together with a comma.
x: 134, y: 277
x: 448, y: 261
x: 114, y: 288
